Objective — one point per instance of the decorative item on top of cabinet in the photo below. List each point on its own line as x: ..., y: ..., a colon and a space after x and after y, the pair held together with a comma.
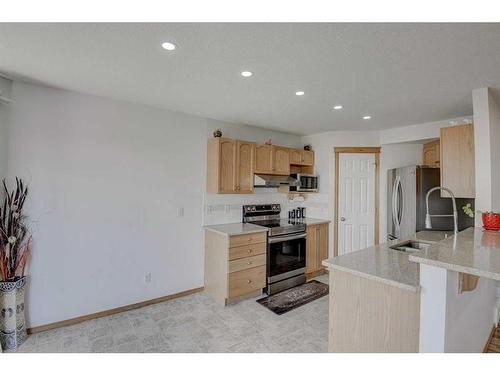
x: 230, y: 166
x: 217, y: 133
x: 431, y: 154
x: 457, y: 161
x: 316, y: 249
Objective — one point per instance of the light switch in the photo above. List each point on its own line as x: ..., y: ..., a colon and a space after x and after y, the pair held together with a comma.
x: 180, y: 211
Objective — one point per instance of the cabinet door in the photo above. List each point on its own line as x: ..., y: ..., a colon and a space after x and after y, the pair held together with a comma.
x: 307, y: 157
x: 264, y: 159
x: 245, y: 161
x: 281, y: 161
x: 227, y: 157
x: 431, y: 154
x: 322, y: 244
x: 457, y: 161
x: 296, y: 157
x: 311, y: 249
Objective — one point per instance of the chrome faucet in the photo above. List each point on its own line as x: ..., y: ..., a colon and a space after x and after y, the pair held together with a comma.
x: 428, y: 223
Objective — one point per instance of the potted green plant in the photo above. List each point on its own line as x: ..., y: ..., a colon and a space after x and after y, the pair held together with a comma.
x: 15, y: 246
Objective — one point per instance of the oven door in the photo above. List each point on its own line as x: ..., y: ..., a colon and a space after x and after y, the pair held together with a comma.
x: 286, y: 256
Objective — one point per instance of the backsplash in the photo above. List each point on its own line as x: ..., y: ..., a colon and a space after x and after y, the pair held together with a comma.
x: 227, y: 208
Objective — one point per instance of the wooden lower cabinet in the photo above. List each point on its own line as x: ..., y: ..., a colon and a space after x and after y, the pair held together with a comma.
x: 316, y: 248
x: 368, y: 316
x: 235, y: 266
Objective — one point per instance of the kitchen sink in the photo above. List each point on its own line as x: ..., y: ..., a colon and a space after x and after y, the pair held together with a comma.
x: 410, y: 246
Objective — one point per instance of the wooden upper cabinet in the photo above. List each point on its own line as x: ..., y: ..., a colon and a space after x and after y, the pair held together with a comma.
x: 245, y: 166
x: 295, y: 156
x: 230, y: 166
x: 281, y: 160
x: 307, y: 157
x: 457, y: 161
x: 431, y: 154
x: 264, y: 159
x: 301, y: 157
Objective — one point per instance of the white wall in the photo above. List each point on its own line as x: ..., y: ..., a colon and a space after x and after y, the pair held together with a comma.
x: 451, y: 322
x: 4, y: 139
x: 419, y: 132
x: 487, y: 150
x: 106, y: 181
x: 494, y: 104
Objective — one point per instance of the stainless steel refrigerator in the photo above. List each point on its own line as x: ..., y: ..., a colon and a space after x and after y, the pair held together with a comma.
x: 406, y: 190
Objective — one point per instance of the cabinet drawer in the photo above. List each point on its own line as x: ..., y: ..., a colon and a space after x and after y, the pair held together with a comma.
x: 247, y: 250
x: 245, y: 263
x: 245, y: 239
x: 243, y: 282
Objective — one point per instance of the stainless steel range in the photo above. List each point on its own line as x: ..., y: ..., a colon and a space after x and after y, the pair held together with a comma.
x: 286, y: 246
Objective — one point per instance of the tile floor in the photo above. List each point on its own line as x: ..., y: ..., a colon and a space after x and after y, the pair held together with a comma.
x: 194, y: 324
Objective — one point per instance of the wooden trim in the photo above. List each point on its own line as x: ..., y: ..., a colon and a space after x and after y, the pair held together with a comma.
x: 312, y: 275
x: 492, y: 334
x: 335, y: 216
x: 101, y: 314
x: 356, y: 150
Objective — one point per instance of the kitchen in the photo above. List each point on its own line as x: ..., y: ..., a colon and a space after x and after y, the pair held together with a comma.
x: 264, y: 207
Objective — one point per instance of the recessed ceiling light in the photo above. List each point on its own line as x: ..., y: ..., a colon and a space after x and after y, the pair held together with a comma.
x: 299, y: 93
x: 366, y: 117
x: 246, y: 73
x: 337, y: 107
x: 169, y: 46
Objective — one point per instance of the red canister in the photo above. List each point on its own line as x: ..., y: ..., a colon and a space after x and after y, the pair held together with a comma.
x: 491, y: 221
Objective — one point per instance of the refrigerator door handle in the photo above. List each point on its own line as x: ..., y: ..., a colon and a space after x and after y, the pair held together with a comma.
x: 401, y: 208
x: 395, y: 205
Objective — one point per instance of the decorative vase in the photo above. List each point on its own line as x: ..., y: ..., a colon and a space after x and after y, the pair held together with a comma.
x: 12, y: 317
x: 218, y: 133
x: 307, y: 147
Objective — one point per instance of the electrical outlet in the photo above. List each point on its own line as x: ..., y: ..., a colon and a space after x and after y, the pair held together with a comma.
x: 147, y: 278
x: 180, y: 211
x: 227, y: 208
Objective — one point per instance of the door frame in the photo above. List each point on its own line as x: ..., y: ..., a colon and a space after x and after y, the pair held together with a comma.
x: 355, y: 150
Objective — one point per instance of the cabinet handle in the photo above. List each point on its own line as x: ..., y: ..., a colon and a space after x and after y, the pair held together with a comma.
x: 249, y: 263
x: 249, y: 281
x: 249, y: 251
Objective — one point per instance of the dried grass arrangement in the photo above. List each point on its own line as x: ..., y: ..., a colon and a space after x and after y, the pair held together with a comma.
x: 15, y: 241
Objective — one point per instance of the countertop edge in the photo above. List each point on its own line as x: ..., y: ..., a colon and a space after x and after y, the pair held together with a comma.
x: 455, y: 267
x: 256, y: 230
x: 411, y: 288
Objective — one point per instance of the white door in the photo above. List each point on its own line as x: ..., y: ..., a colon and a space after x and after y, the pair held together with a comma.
x: 356, y: 209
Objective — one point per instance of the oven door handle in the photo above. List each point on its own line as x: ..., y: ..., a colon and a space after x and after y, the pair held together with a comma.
x: 287, y: 238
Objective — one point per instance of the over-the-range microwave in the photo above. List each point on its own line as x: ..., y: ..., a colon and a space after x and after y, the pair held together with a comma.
x: 306, y: 182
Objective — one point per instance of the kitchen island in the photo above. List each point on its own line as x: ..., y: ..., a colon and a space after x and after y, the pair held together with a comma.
x: 379, y: 301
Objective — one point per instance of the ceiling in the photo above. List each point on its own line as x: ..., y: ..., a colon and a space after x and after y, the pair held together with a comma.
x: 400, y: 74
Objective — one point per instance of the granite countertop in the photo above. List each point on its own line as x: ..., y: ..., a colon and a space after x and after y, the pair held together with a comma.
x: 473, y: 251
x: 311, y: 221
x: 236, y: 228
x: 381, y: 263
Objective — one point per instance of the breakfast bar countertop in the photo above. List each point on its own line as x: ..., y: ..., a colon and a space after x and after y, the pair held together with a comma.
x: 381, y: 263
x: 473, y: 251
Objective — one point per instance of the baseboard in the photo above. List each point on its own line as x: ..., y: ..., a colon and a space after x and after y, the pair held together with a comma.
x: 492, y: 333
x: 312, y: 275
x: 101, y: 314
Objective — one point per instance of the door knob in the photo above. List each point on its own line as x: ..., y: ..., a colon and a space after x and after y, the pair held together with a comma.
x: 342, y: 219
